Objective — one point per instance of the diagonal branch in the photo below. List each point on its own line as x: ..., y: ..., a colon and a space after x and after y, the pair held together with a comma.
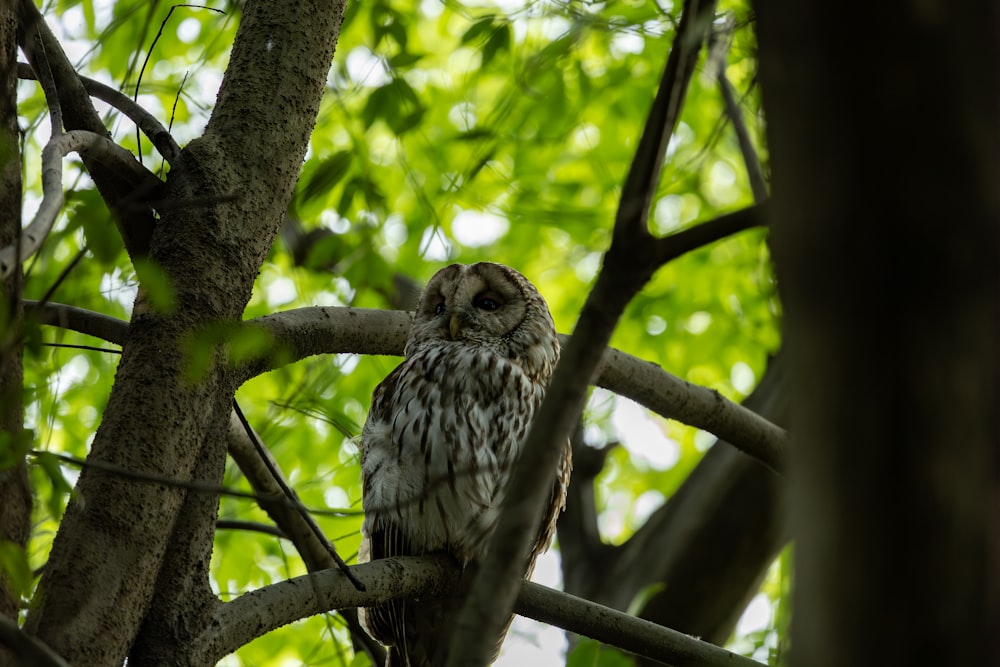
x: 644, y: 174
x: 621, y: 630
x: 27, y: 650
x: 628, y: 265
x: 315, y: 555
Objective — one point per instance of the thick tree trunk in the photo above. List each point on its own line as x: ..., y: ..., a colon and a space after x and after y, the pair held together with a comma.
x: 15, y: 494
x: 126, y: 556
x: 885, y: 146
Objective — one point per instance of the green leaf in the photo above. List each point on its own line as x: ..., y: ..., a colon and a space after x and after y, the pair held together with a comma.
x: 327, y: 175
x: 16, y: 568
x: 103, y: 238
x: 478, y: 29
x: 592, y: 653
x: 13, y: 447
x: 499, y: 40
x: 155, y: 285
x: 52, y: 468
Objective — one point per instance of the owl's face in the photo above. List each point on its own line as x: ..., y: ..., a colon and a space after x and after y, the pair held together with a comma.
x: 486, y: 305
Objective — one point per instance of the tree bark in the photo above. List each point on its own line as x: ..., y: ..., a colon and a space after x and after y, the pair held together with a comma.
x: 15, y: 494
x: 123, y: 543
x: 885, y: 152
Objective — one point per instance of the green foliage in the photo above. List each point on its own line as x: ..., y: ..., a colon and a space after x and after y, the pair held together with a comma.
x: 15, y: 567
x: 590, y: 653
x: 450, y: 132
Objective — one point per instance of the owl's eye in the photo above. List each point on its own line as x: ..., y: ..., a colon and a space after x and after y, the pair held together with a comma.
x: 439, y: 308
x: 486, y: 303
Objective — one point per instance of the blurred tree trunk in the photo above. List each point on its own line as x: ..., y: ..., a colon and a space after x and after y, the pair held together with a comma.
x: 15, y: 495
x: 884, y: 134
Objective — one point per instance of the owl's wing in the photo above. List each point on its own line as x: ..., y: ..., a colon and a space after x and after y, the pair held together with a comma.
x: 557, y: 503
x: 382, y: 538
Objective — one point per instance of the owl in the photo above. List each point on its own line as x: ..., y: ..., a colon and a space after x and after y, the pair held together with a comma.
x: 444, y: 433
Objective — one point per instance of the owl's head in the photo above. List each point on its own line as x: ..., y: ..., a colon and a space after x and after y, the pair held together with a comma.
x: 490, y: 306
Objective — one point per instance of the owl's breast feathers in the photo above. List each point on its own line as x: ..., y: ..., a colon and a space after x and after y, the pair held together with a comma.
x: 441, y: 439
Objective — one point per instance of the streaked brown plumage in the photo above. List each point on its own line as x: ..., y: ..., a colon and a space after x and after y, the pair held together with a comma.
x: 444, y: 432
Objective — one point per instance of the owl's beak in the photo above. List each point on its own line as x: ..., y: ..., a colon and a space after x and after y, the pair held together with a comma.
x: 454, y: 325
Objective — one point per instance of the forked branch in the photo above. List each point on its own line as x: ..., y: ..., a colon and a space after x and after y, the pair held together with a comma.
x: 97, y: 149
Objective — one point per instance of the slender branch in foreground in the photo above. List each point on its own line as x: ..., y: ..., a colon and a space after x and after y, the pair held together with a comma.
x: 94, y: 146
x: 147, y: 122
x: 758, y: 184
x: 80, y: 320
x: 261, y: 611
x: 291, y: 497
x: 629, y: 263
x: 27, y: 649
x: 719, y: 42
x: 671, y: 247
x: 290, y: 522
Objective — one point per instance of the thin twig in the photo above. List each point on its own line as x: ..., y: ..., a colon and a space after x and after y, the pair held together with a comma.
x: 186, y: 484
x: 27, y: 650
x: 293, y: 498
x: 718, y: 46
x: 149, y: 53
x: 251, y: 526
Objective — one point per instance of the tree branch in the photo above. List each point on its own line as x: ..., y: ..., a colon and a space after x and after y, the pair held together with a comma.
x: 628, y: 265
x: 97, y: 149
x: 332, y: 330
x: 258, y: 612
x: 618, y: 629
x: 304, y: 332
x: 80, y: 320
x: 718, y: 45
x: 644, y: 173
x: 290, y: 522
x: 147, y: 122
x: 27, y: 649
